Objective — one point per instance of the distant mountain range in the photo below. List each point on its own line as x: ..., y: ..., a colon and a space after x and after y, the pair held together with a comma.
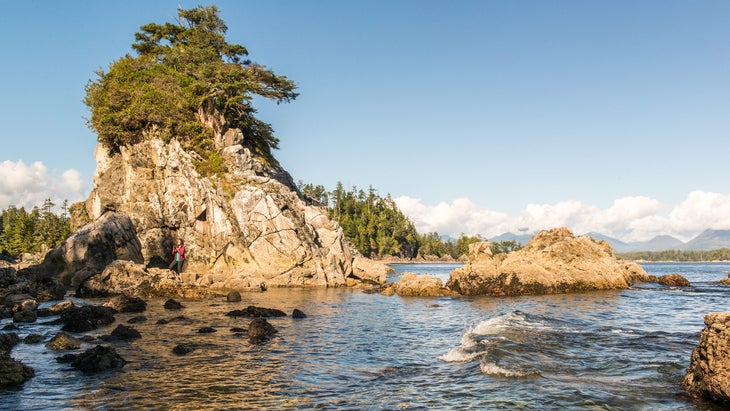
x: 707, y: 240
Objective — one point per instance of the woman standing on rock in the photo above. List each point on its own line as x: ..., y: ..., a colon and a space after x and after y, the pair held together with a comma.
x: 178, y: 252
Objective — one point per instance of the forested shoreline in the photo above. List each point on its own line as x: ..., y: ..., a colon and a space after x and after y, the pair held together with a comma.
x: 23, y: 231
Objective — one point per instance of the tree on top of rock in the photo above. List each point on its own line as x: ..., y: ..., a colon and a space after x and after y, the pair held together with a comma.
x: 183, y: 72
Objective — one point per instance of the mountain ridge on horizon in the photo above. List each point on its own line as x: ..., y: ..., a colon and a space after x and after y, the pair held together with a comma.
x: 709, y: 239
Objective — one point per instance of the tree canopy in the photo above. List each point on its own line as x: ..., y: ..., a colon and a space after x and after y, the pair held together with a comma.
x: 181, y: 70
x: 26, y: 232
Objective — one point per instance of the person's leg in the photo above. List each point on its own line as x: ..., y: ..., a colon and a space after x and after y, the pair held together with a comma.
x: 172, y: 265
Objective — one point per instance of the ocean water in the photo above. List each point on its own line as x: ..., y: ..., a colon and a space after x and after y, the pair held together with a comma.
x: 612, y: 350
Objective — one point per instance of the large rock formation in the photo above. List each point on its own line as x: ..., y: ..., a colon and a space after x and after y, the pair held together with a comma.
x: 708, y: 375
x: 242, y: 228
x: 554, y: 261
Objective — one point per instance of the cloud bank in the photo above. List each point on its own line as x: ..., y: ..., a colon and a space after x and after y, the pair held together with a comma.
x: 27, y: 186
x: 628, y: 219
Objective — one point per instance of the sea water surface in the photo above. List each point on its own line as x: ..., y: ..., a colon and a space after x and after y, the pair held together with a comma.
x: 612, y: 350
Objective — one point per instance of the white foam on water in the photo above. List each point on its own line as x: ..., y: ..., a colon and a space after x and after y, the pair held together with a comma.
x: 494, y: 369
x: 458, y: 354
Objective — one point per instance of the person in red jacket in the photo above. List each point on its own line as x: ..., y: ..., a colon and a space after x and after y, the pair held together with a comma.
x: 178, y: 252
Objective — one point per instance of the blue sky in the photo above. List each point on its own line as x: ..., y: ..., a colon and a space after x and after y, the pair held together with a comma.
x: 477, y: 116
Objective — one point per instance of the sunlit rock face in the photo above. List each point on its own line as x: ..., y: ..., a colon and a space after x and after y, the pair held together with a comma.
x: 242, y: 228
x: 555, y: 261
x: 708, y: 375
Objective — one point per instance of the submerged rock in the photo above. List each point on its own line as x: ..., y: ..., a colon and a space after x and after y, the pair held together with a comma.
x: 554, y: 262
x: 33, y: 338
x: 259, y: 329
x: 182, y: 349
x: 253, y: 311
x: 708, y: 375
x: 99, y: 358
x: 13, y: 372
x: 172, y: 305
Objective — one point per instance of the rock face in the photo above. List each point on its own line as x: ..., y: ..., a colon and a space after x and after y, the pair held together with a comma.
x: 708, y: 375
x: 673, y: 280
x: 242, y: 228
x: 554, y: 262
x: 414, y: 285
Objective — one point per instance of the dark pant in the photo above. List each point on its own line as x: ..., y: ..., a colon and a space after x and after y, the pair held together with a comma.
x: 176, y: 265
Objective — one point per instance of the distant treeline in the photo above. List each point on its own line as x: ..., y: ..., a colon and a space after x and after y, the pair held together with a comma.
x: 378, y: 229
x: 722, y: 254
x: 25, y: 232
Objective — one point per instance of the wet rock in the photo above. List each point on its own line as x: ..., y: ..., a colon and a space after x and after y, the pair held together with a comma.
x: 207, y: 330
x: 136, y: 320
x: 10, y: 327
x: 125, y: 304
x: 172, y: 304
x: 25, y: 316
x: 257, y: 312
x: 56, y: 309
x: 673, y: 280
x: 259, y: 329
x: 66, y: 358
x: 20, y: 302
x: 182, y: 349
x: 414, y: 285
x: 86, y: 318
x: 238, y: 330
x: 708, y: 375
x: 180, y: 319
x: 123, y: 333
x: 233, y: 297
x: 63, y: 341
x: 33, y: 339
x: 99, y: 358
x: 298, y: 314
x: 7, y: 342
x: 13, y: 372
x: 87, y: 338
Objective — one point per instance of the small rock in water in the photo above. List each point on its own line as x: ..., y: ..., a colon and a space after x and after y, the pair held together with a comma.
x: 25, y: 316
x: 233, y: 297
x: 13, y: 372
x: 63, y: 341
x: 66, y: 358
x: 122, y: 332
x: 252, y: 311
x: 260, y: 329
x: 126, y: 304
x: 99, y: 358
x: 10, y: 327
x: 7, y: 342
x: 137, y: 319
x: 171, y: 304
x: 238, y: 330
x: 182, y: 349
x: 33, y: 338
x: 298, y: 314
x: 207, y: 330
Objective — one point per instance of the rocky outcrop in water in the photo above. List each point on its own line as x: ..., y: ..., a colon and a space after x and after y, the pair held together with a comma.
x: 673, y: 280
x: 259, y: 330
x: 242, y: 228
x: 413, y: 285
x: 554, y: 262
x: 99, y: 358
x: 708, y: 375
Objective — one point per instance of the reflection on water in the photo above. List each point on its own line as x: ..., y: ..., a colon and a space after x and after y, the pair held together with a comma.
x: 604, y: 350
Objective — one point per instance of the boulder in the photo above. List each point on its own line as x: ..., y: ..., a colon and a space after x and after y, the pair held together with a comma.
x: 125, y: 304
x: 182, y: 349
x: 123, y: 333
x: 13, y: 372
x: 172, y: 304
x: 708, y: 375
x: 258, y: 312
x: 20, y: 302
x: 86, y: 318
x: 33, y: 339
x: 63, y: 341
x: 233, y: 297
x: 207, y: 330
x: 7, y: 342
x: 298, y: 314
x: 99, y: 358
x: 555, y: 261
x: 89, y: 250
x: 136, y: 320
x: 673, y: 280
x: 56, y: 309
x: 414, y: 285
x: 135, y: 280
x: 25, y: 316
x: 260, y: 329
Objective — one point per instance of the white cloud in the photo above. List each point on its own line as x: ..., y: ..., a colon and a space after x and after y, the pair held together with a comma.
x: 629, y: 219
x: 29, y: 185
